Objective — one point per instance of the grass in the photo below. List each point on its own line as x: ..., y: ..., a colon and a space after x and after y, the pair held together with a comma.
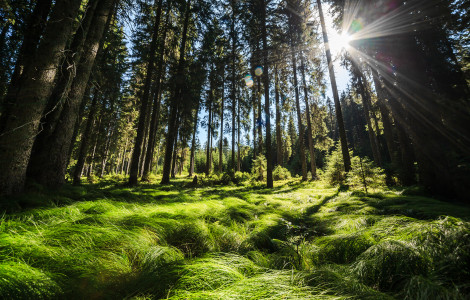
x: 297, y: 241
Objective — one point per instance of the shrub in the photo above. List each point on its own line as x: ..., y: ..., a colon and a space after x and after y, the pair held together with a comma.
x: 259, y: 167
x: 281, y: 173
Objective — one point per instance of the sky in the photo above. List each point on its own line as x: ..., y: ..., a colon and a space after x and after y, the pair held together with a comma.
x: 342, y: 76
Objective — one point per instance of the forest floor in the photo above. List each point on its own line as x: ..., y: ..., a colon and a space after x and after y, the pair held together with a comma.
x: 296, y: 241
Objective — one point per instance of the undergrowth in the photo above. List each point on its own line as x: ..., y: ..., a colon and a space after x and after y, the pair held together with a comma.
x: 297, y: 241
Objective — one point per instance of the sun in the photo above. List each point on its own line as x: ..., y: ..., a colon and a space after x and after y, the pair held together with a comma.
x: 340, y: 42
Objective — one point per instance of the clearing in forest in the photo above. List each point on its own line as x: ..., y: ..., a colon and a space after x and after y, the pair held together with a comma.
x: 296, y: 241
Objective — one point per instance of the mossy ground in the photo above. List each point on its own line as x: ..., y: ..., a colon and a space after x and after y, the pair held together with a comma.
x: 296, y: 241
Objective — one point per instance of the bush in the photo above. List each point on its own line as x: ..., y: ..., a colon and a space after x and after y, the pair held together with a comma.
x: 259, y: 167
x: 281, y: 173
x: 241, y: 176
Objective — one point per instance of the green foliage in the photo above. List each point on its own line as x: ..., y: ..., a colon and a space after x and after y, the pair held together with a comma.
x: 298, y: 241
x: 334, y: 172
x: 364, y: 174
x: 281, y: 173
x: 258, y: 170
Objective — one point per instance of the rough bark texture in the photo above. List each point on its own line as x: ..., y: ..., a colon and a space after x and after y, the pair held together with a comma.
x: 25, y: 58
x: 339, y: 113
x: 278, y: 120
x: 267, y: 114
x: 175, y: 104
x: 299, y: 114
x: 86, y: 136
x: 144, y: 109
x: 61, y: 89
x: 311, y: 146
x: 22, y: 120
x: 193, y: 143
x: 50, y: 166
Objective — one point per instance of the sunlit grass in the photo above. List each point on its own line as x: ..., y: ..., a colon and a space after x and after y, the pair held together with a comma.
x: 297, y: 241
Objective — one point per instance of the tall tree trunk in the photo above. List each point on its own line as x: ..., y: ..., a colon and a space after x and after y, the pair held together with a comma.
x: 267, y: 114
x: 21, y: 122
x: 59, y: 95
x: 49, y: 166
x: 366, y: 102
x: 259, y: 117
x: 311, y: 145
x: 175, y: 155
x: 26, y: 54
x: 221, y: 140
x: 86, y: 136
x: 334, y: 88
x: 175, y: 104
x: 193, y: 143
x: 299, y: 114
x: 238, y: 138
x: 134, y: 173
x: 253, y: 98
x: 209, y: 132
x: 278, y: 119
x: 386, y: 121
x: 157, y: 100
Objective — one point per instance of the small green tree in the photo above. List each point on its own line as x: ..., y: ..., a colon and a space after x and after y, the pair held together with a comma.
x: 259, y: 167
x: 365, y: 174
x: 334, y: 172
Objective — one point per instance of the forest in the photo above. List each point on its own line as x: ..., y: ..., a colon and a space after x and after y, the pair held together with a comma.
x: 234, y: 149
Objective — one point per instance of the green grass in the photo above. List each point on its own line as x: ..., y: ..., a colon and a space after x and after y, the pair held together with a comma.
x: 296, y: 241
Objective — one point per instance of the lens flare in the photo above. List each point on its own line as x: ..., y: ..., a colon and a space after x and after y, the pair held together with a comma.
x: 248, y: 80
x: 259, y: 71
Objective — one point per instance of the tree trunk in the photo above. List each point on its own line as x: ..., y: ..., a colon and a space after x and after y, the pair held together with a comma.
x: 49, y: 166
x: 26, y: 54
x: 278, y: 119
x: 86, y: 136
x: 254, y: 121
x: 209, y: 132
x: 221, y: 141
x: 175, y: 104
x: 299, y: 114
x: 136, y: 155
x: 311, y: 145
x: 339, y: 113
x: 386, y: 121
x: 238, y: 138
x: 193, y: 143
x: 60, y: 92
x: 366, y: 102
x: 21, y: 122
x: 267, y: 114
x: 157, y: 100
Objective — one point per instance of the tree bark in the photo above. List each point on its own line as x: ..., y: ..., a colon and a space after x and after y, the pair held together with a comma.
x: 60, y: 92
x: 49, y: 166
x: 157, y: 101
x: 193, y: 143
x: 278, y: 119
x: 86, y: 136
x: 311, y: 146
x: 26, y: 54
x: 21, y: 123
x: 299, y: 114
x: 267, y: 113
x: 134, y: 173
x: 175, y: 104
x: 339, y: 113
